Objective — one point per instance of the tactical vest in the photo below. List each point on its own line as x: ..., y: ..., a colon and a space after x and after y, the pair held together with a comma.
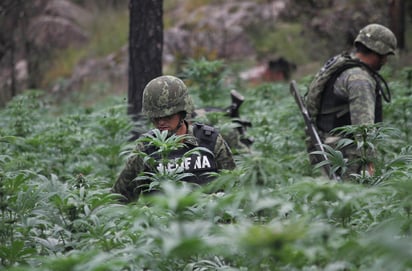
x: 198, y: 166
x: 333, y: 110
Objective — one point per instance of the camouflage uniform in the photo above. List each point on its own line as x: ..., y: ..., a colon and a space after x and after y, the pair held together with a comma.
x: 164, y: 96
x: 358, y: 87
x: 358, y: 94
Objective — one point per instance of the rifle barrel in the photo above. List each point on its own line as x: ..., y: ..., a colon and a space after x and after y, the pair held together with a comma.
x: 313, y: 133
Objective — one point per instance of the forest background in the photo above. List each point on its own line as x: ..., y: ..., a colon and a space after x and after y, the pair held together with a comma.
x: 61, y: 46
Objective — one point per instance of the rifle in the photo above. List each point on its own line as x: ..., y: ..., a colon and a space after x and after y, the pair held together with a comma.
x: 233, y: 112
x: 237, y: 100
x: 313, y: 133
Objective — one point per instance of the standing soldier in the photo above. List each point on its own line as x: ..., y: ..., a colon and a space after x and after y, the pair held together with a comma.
x: 166, y: 103
x: 348, y: 91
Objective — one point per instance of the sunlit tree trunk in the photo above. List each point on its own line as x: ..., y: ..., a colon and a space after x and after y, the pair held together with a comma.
x: 145, y: 49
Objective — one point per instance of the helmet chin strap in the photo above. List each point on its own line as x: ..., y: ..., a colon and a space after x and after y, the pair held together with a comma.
x: 179, y: 125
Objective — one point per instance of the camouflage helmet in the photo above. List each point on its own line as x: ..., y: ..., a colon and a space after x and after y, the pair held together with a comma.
x: 166, y: 95
x: 377, y: 38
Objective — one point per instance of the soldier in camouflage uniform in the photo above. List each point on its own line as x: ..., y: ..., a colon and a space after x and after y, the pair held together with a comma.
x: 166, y: 103
x: 354, y: 97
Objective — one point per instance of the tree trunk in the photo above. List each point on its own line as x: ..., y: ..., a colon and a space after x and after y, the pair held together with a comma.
x: 145, y: 49
x: 397, y: 21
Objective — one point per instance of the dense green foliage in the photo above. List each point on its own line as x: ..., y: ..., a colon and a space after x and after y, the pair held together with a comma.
x: 274, y: 212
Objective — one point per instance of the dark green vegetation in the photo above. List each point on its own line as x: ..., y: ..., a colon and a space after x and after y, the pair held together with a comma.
x: 273, y: 213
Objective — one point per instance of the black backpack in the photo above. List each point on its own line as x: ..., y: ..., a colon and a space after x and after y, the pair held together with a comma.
x: 206, y: 135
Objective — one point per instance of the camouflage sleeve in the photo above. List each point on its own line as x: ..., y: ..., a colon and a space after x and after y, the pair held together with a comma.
x: 126, y: 184
x: 360, y: 87
x: 223, y: 154
x: 232, y: 138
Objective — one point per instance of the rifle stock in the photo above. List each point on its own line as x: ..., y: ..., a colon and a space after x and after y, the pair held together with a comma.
x: 237, y: 100
x: 313, y: 133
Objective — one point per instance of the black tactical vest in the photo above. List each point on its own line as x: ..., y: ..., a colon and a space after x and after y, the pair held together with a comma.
x: 198, y: 166
x: 334, y: 110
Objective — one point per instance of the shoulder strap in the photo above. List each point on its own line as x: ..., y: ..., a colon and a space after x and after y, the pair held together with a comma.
x: 206, y: 135
x: 350, y: 63
x: 379, y: 81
